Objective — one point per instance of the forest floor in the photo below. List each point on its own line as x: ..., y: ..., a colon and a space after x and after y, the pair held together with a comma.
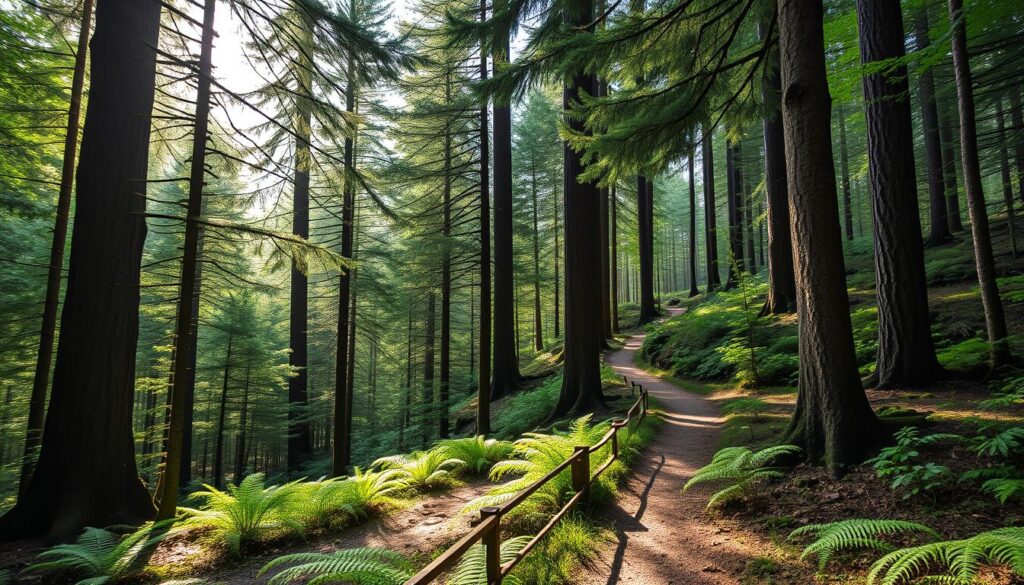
x: 660, y: 535
x: 416, y: 531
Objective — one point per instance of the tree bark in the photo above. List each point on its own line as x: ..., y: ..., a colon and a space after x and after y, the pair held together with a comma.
x: 645, y: 246
x: 844, y: 166
x: 833, y: 421
x: 1017, y: 120
x: 218, y: 449
x: 446, y: 280
x: 538, y: 332
x: 949, y: 162
x: 581, y: 375
x: 505, y: 376
x: 1004, y: 173
x: 710, y: 219
x: 781, y: 280
x: 44, y: 358
x: 939, y: 229
x: 906, y: 352
x: 428, y: 368
x: 694, y: 290
x: 86, y: 473
x: 483, y: 413
x: 614, y: 276
x: 984, y: 261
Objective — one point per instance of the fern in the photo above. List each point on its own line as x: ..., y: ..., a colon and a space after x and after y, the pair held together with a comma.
x: 320, y: 503
x: 472, y: 569
x: 741, y: 469
x: 1004, y: 443
x: 245, y: 512
x: 426, y: 470
x: 101, y: 556
x: 960, y: 559
x: 359, y: 566
x: 853, y: 534
x: 477, y: 453
x: 1004, y: 488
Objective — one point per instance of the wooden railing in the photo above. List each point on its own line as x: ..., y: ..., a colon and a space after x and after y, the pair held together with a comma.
x: 488, y: 530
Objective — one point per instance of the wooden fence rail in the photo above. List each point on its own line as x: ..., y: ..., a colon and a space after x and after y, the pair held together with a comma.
x: 488, y: 530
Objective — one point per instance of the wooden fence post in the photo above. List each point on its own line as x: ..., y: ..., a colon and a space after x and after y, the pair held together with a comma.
x: 581, y: 472
x: 492, y: 546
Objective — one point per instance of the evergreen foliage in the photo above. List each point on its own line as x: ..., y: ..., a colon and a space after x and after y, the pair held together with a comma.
x: 853, y: 534
x: 741, y: 470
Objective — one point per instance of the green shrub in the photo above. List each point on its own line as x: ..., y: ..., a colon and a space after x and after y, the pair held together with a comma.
x: 423, y: 470
x: 472, y: 569
x: 854, y: 534
x: 358, y: 566
x: 246, y: 512
x: 100, y: 556
x: 741, y: 470
x: 970, y: 355
x: 477, y: 453
x: 959, y: 560
x: 375, y: 489
x: 526, y: 410
x: 327, y: 502
x: 572, y: 543
x: 900, y: 462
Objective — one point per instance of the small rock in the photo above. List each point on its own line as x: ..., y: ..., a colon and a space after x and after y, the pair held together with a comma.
x: 711, y: 569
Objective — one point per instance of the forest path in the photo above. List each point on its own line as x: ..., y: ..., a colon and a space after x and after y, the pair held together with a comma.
x: 427, y: 524
x: 662, y: 536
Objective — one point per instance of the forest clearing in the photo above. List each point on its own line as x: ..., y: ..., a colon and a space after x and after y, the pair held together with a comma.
x: 530, y: 292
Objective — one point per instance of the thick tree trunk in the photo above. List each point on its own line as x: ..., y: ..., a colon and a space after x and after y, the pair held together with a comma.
x: 781, y: 280
x: 1007, y: 181
x: 844, y: 170
x: 939, y: 229
x: 710, y: 219
x: 995, y: 319
x: 833, y: 421
x: 581, y: 374
x: 86, y: 473
x: 606, y: 300
x: 906, y: 352
x: 949, y: 163
x: 505, y: 376
x: 614, y: 276
x: 483, y: 412
x: 44, y: 358
x: 557, y: 252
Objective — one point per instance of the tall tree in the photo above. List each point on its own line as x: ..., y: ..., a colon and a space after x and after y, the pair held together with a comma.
x: 694, y: 289
x: 483, y: 415
x: 54, y: 270
x: 939, y: 221
x: 833, y: 421
x: 844, y: 173
x: 86, y: 473
x: 984, y: 262
x: 906, y: 352
x: 710, y: 209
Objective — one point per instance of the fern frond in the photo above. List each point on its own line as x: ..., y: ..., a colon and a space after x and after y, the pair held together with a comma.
x: 360, y: 566
x: 472, y: 569
x: 853, y: 534
x: 960, y: 559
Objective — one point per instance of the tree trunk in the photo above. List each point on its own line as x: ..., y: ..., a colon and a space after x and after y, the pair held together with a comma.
x: 446, y: 280
x: 1017, y: 120
x: 342, y: 440
x: 428, y: 369
x: 558, y: 250
x: 710, y: 219
x: 645, y: 246
x: 906, y: 353
x: 299, y: 441
x: 694, y: 290
x: 995, y: 319
x: 483, y: 413
x: 243, y: 413
x: 1004, y: 173
x: 218, y: 449
x: 844, y: 166
x: 781, y: 280
x: 939, y: 230
x: 949, y: 173
x: 44, y: 358
x: 581, y: 374
x: 538, y: 332
x: 505, y: 377
x: 614, y: 276
x: 86, y: 473
x: 833, y: 421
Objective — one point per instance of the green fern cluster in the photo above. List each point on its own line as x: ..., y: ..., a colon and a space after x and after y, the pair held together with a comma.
x: 100, y: 556
x: 961, y: 559
x: 477, y: 453
x: 359, y: 566
x: 853, y: 534
x: 423, y: 470
x: 740, y: 469
x: 472, y: 569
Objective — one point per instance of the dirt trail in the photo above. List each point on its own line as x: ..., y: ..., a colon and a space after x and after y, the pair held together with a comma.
x: 662, y: 537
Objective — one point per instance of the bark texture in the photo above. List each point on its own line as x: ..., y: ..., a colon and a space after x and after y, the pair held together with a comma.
x: 710, y: 212
x: 86, y: 473
x: 938, y: 231
x: 833, y: 422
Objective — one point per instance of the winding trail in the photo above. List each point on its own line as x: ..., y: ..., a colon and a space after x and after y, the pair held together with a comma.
x: 661, y: 536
